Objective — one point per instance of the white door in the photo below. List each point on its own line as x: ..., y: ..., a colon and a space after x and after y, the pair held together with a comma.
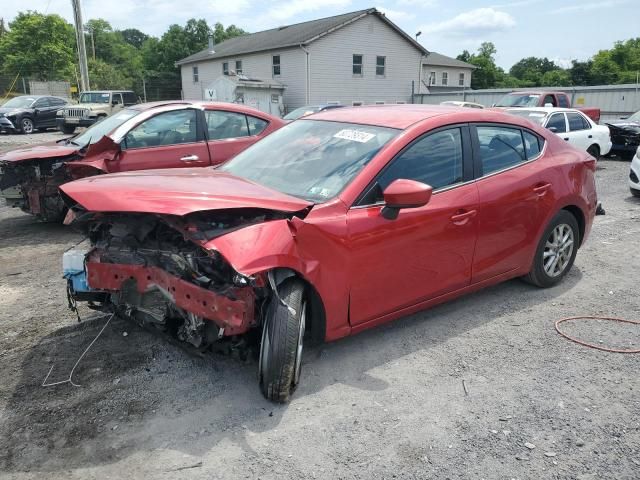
x: 580, y: 133
x: 557, y: 123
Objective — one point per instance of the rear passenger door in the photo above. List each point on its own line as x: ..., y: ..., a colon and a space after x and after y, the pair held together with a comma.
x: 229, y: 133
x: 510, y: 190
x: 579, y: 134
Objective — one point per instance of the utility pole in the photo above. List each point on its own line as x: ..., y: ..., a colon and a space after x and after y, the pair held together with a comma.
x: 2, y: 29
x: 82, y: 49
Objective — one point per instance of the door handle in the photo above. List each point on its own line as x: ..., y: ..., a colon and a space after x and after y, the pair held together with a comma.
x: 190, y: 158
x: 541, y: 189
x: 590, y: 136
x: 566, y: 139
x: 463, y: 216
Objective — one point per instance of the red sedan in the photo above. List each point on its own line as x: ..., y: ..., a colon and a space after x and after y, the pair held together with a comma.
x: 332, y: 225
x: 140, y: 137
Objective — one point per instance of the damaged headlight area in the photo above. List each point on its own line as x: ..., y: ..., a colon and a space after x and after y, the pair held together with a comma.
x: 153, y: 269
x: 33, y: 186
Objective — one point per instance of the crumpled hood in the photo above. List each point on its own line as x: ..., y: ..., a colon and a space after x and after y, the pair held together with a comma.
x: 626, y: 125
x: 42, y: 151
x: 176, y: 192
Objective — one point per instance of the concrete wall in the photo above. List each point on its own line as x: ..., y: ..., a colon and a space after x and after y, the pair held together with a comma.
x: 613, y: 100
x: 331, y: 61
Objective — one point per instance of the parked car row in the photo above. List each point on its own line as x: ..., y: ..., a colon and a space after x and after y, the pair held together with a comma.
x: 28, y: 113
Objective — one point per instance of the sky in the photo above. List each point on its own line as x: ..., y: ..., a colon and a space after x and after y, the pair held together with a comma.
x: 560, y: 30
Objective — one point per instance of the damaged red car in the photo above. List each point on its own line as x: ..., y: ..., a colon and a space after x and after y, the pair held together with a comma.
x: 140, y: 137
x: 331, y: 225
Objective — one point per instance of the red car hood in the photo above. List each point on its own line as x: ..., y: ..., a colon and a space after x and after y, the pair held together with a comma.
x: 176, y: 192
x: 34, y: 152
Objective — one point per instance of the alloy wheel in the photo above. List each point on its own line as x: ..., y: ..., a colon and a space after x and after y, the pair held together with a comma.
x: 27, y: 126
x: 303, y: 316
x: 558, y: 250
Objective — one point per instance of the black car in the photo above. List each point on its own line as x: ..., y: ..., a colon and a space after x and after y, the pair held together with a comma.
x: 625, y: 136
x: 27, y: 113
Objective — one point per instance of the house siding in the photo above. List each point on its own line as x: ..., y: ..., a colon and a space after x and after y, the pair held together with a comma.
x: 453, y: 72
x: 292, y: 74
x: 331, y: 60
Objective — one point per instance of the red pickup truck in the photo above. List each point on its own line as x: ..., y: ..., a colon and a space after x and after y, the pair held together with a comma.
x: 544, y: 99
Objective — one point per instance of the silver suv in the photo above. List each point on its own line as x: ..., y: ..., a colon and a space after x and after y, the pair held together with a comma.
x: 93, y: 107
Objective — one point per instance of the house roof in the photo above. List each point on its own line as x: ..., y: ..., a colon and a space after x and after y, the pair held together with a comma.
x: 435, y: 58
x: 290, y: 36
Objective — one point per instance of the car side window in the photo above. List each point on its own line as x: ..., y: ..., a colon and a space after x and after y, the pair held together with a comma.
x: 549, y: 99
x: 563, y: 101
x: 436, y: 160
x: 557, y: 121
x: 168, y: 128
x: 256, y: 125
x: 116, y: 99
x: 577, y: 122
x: 57, y: 102
x: 532, y: 144
x: 129, y: 98
x: 500, y: 148
x: 222, y: 124
x: 42, y: 103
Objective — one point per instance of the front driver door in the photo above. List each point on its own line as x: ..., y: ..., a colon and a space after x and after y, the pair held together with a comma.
x: 45, y: 113
x: 168, y: 140
x: 426, y: 251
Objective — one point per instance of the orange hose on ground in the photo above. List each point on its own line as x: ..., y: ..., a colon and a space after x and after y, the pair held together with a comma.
x: 591, y: 345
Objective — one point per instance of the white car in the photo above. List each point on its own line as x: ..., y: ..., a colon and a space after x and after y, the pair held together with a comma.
x: 572, y: 125
x: 634, y: 175
x: 457, y: 103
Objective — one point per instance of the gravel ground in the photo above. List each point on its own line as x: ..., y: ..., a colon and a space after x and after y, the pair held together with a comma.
x: 12, y: 140
x: 482, y: 387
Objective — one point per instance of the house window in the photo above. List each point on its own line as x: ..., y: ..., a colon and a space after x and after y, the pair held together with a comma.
x: 357, y: 65
x: 225, y: 68
x: 275, y: 65
x: 461, y: 80
x: 379, y: 102
x: 195, y: 74
x: 400, y: 102
x: 445, y: 78
x: 380, y: 66
x: 275, y: 98
x: 356, y: 103
x: 432, y: 78
x: 238, y: 67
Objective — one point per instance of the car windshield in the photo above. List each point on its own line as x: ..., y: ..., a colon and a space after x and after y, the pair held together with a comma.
x: 310, y: 159
x: 98, y: 130
x: 635, y: 117
x: 94, y: 97
x: 301, y: 112
x: 531, y: 115
x: 19, y: 102
x: 525, y: 100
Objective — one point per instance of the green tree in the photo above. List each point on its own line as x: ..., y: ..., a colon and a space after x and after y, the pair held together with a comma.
x: 134, y: 37
x: 488, y: 73
x: 39, y: 45
x: 531, y: 70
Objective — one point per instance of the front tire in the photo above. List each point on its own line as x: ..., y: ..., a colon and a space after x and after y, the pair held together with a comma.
x: 282, y: 341
x: 594, y: 151
x: 26, y: 125
x: 68, y: 129
x: 556, y: 251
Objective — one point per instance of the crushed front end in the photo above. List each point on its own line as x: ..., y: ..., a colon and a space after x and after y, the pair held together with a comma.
x: 154, y: 270
x: 32, y: 186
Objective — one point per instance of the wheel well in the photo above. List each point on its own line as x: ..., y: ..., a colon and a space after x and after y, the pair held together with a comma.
x: 317, y: 322
x: 579, y: 216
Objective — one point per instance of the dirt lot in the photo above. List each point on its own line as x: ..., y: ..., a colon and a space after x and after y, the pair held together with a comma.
x: 389, y: 403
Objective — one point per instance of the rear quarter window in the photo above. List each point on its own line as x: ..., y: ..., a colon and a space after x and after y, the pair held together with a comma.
x: 532, y: 144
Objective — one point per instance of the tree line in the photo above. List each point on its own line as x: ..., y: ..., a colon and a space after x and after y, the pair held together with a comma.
x: 43, y: 47
x: 617, y: 65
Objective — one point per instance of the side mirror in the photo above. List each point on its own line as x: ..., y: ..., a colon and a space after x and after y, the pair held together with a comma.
x: 553, y: 129
x: 404, y: 193
x: 493, y: 105
x: 624, y: 118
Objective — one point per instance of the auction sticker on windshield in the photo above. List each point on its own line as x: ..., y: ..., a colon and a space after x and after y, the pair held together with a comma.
x: 354, y: 135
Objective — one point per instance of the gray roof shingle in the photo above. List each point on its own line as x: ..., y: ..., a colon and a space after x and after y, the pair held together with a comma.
x: 435, y: 58
x: 288, y: 36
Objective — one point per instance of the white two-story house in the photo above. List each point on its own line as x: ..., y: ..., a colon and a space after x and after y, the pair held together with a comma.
x: 356, y: 58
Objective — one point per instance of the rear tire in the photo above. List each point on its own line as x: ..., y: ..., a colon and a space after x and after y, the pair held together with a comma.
x: 282, y: 341
x: 68, y: 129
x: 635, y: 193
x: 556, y: 251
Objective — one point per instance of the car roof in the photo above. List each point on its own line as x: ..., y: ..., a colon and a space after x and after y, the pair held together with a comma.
x: 402, y: 116
x: 233, y: 107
